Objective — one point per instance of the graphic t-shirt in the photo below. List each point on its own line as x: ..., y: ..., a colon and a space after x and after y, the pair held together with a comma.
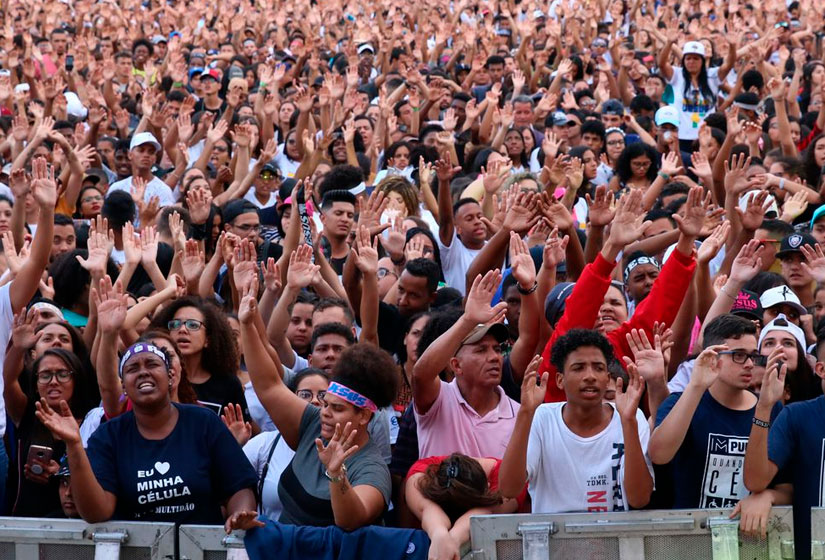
x: 219, y: 391
x: 796, y: 444
x: 708, y: 469
x: 183, y: 478
x: 693, y: 106
x: 570, y: 473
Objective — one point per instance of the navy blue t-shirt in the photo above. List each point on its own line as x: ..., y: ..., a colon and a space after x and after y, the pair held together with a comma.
x: 708, y: 468
x: 183, y: 478
x: 796, y: 444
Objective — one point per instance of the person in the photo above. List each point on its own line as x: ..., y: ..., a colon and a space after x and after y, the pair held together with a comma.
x: 343, y: 480
x: 161, y: 461
x: 703, y: 431
x: 68, y: 508
x: 143, y: 149
x: 269, y: 453
x: 471, y: 414
x: 583, y: 454
x: 802, y: 383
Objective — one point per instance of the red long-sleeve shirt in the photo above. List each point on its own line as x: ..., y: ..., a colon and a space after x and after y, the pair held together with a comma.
x: 582, y: 308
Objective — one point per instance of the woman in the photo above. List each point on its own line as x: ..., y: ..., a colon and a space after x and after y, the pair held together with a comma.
x: 288, y: 158
x: 415, y: 326
x: 635, y: 168
x: 58, y: 377
x: 814, y: 160
x: 343, y: 480
x: 6, y: 206
x: 614, y: 146
x: 210, y: 357
x: 444, y: 492
x: 516, y: 149
x: 161, y: 461
x: 396, y: 161
x: 782, y: 340
x: 90, y: 203
x: 269, y: 453
x: 401, y: 194
x: 812, y: 76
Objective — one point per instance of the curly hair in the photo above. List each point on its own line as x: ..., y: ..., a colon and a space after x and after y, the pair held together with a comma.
x: 186, y: 393
x: 458, y: 484
x: 220, y: 356
x: 575, y: 339
x: 81, y: 403
x: 408, y: 192
x: 367, y: 369
x: 632, y: 151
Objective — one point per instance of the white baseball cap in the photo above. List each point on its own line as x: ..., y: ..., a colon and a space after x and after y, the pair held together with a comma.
x: 667, y: 114
x: 693, y: 47
x: 781, y: 294
x: 144, y: 138
x: 784, y: 324
x: 770, y: 201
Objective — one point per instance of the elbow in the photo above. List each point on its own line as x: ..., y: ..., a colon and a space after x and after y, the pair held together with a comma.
x: 753, y: 482
x: 640, y: 498
x: 658, y: 456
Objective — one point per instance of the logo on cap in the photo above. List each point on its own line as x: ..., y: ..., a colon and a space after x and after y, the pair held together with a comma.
x: 795, y: 241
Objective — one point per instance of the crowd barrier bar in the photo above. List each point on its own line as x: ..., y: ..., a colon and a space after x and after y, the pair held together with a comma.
x: 652, y: 535
x: 198, y: 542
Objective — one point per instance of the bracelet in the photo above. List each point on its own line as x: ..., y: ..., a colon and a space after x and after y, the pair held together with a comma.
x: 761, y: 423
x: 337, y: 479
x: 726, y: 293
x: 177, y: 84
x: 261, y: 84
x: 782, y: 184
x: 664, y: 175
x: 524, y: 292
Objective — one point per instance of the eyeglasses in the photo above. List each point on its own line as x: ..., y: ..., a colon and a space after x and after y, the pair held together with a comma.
x: 615, y: 142
x: 246, y: 228
x: 640, y: 164
x: 383, y: 272
x: 45, y: 377
x: 740, y: 357
x: 220, y: 149
x: 571, y: 124
x: 96, y: 198
x: 306, y: 394
x: 190, y: 324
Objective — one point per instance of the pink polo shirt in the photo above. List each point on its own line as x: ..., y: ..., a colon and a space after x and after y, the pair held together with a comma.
x: 453, y: 426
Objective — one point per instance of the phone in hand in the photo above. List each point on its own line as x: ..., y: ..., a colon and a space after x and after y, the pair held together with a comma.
x: 69, y: 62
x: 38, y: 456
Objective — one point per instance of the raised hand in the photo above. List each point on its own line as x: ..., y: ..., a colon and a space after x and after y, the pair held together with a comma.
x: 365, y: 253
x: 628, y: 224
x: 148, y: 246
x: 795, y: 206
x: 695, y: 210
x: 773, y: 382
x: 61, y: 424
x: 246, y: 266
x: 23, y: 327
x: 555, y: 211
x: 648, y: 358
x: 748, y: 262
x: 627, y: 400
x: 233, y: 420
x: 601, y: 208
x: 477, y: 306
x: 522, y: 214
x: 248, y: 308
x: 707, y: 367
x: 713, y: 243
x: 131, y: 244
x: 302, y: 272
x: 815, y: 265
x: 754, y: 213
x: 14, y: 260
x: 554, y: 251
x: 271, y: 274
x: 521, y: 263
x: 200, y: 203
x: 735, y: 172
x: 533, y: 386
x: 192, y: 261
x: 112, y: 304
x: 340, y: 447
x: 44, y: 186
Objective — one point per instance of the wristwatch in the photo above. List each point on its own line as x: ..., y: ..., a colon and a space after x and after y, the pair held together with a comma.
x: 337, y: 479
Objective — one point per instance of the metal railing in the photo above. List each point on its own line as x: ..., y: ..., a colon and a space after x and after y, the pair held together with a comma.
x: 652, y: 535
x: 199, y: 542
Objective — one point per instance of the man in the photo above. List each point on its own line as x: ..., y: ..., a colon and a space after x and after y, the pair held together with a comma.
x: 65, y: 237
x: 640, y: 272
x: 612, y: 113
x: 817, y: 225
x: 703, y: 431
x: 524, y: 115
x: 593, y: 136
x: 471, y: 414
x: 338, y: 218
x: 264, y: 193
x: 795, y: 274
x: 793, y: 443
x: 143, y: 151
x: 329, y: 340
x: 210, y: 84
x: 583, y: 454
x: 770, y: 234
x: 67, y: 505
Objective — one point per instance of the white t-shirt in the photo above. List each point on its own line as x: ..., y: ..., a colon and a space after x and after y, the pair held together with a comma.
x: 569, y: 473
x: 6, y: 322
x: 694, y: 109
x: 287, y: 166
x: 250, y: 196
x: 257, y: 450
x: 455, y: 261
x: 156, y: 187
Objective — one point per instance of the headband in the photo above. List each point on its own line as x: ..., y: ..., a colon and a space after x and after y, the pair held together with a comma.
x: 352, y: 397
x: 614, y: 129
x: 141, y: 348
x: 640, y: 260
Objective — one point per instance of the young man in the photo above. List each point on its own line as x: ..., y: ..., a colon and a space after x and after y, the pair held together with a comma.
x: 703, y: 432
x: 65, y: 237
x: 585, y: 454
x: 791, y: 259
x: 338, y: 218
x: 143, y: 150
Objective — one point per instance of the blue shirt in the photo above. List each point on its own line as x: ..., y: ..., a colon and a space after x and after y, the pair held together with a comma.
x: 796, y: 444
x: 183, y: 478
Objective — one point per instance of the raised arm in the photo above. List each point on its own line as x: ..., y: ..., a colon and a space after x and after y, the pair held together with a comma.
x: 445, y: 172
x: 111, y: 305
x: 436, y: 358
x: 759, y: 470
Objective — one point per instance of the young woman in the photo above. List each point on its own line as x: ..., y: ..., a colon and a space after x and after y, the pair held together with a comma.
x: 161, y: 461
x: 396, y: 161
x: 516, y: 149
x: 614, y: 146
x: 635, y: 168
x: 338, y: 476
x: 268, y: 451
x: 782, y: 340
x: 402, y: 196
x: 90, y: 203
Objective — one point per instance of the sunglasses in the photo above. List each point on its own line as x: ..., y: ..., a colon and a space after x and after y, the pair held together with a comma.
x: 268, y: 175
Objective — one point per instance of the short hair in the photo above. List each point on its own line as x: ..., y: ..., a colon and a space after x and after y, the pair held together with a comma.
x: 63, y: 220
x: 370, y: 371
x: 575, y: 339
x: 166, y: 213
x: 332, y: 328
x: 462, y: 202
x: 328, y: 302
x: 727, y: 326
x: 494, y: 59
x: 674, y: 187
x: 658, y: 214
x: 303, y: 374
x: 304, y: 297
x: 118, y: 208
x: 642, y: 102
x: 777, y: 226
x: 423, y: 267
x: 523, y: 99
x: 593, y: 126
x: 333, y: 196
x: 439, y: 323
x: 341, y: 177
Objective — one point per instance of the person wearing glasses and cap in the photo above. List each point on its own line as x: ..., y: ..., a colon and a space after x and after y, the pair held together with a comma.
x: 264, y: 192
x: 703, y: 431
x: 695, y: 86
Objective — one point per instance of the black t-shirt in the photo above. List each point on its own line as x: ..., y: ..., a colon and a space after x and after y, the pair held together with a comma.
x: 183, y: 478
x: 391, y: 328
x: 219, y: 391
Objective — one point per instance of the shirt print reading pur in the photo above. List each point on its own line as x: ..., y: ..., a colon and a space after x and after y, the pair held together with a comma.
x: 723, y: 483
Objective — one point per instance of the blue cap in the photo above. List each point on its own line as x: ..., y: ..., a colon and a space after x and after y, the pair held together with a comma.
x: 817, y: 214
x: 175, y: 34
x: 195, y: 71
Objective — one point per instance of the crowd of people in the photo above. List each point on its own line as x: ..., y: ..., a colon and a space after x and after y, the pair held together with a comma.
x: 346, y: 264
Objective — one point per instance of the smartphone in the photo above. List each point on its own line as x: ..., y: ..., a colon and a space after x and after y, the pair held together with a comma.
x: 41, y: 454
x: 69, y: 63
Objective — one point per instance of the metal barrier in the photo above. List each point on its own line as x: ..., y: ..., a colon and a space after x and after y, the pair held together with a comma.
x: 652, y: 535
x: 818, y: 533
x: 208, y: 542
x: 24, y: 538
